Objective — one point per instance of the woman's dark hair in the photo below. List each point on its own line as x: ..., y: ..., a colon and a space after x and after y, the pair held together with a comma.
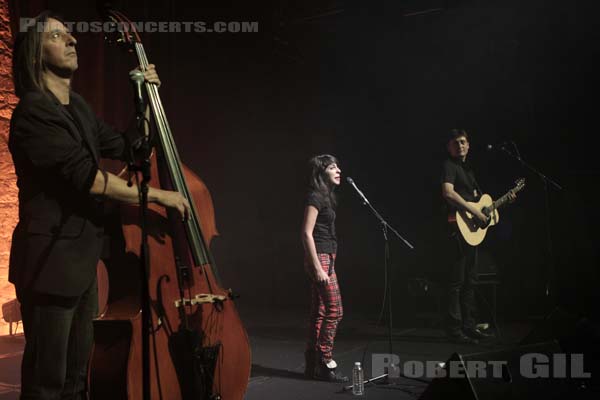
x: 27, y: 55
x: 456, y: 133
x: 318, y: 181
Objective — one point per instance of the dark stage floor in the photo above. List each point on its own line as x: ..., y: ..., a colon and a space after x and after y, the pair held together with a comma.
x: 277, y: 340
x: 278, y: 361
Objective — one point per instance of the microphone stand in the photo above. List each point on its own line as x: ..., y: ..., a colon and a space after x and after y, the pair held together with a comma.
x: 385, y: 227
x: 144, y: 167
x: 547, y: 182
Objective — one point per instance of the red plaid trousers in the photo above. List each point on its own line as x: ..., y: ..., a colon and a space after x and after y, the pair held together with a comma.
x: 326, y: 310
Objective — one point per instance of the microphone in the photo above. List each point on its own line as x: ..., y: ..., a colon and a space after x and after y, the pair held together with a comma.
x: 351, y: 181
x: 137, y: 80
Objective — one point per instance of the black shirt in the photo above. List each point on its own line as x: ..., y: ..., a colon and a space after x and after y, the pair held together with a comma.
x: 324, y: 231
x: 55, y: 149
x: 461, y: 175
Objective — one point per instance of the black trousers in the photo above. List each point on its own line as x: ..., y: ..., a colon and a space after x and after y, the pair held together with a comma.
x: 59, y: 336
x: 462, y: 278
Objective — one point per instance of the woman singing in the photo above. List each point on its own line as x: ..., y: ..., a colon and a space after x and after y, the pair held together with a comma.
x: 320, y: 247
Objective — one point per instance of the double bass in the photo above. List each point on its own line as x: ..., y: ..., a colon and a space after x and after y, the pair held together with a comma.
x: 197, y: 346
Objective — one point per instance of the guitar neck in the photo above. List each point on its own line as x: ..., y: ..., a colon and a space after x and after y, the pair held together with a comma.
x: 500, y: 202
x: 504, y: 199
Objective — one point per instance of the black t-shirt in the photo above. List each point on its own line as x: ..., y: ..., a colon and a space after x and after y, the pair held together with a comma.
x: 461, y: 175
x: 324, y: 231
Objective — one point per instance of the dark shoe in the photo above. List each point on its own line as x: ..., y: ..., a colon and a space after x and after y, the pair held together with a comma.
x: 324, y: 373
x: 477, y: 334
x: 310, y: 361
x: 461, y: 338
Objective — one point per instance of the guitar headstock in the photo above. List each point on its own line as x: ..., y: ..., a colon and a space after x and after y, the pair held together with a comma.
x: 519, y: 185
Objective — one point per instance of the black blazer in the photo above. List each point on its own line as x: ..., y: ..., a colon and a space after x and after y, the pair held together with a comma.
x: 57, y: 242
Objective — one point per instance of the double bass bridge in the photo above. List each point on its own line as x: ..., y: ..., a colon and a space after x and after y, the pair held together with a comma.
x: 201, y: 298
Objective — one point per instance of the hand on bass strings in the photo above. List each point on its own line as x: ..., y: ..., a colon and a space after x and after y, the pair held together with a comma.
x: 150, y: 74
x: 174, y: 200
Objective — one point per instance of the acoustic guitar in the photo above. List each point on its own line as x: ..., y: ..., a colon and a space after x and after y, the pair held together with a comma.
x: 472, y: 229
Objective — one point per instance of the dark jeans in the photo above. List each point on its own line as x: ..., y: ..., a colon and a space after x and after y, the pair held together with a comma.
x: 59, y: 336
x: 461, y: 285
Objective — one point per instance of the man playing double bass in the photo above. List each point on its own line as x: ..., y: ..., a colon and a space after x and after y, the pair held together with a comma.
x: 56, y: 142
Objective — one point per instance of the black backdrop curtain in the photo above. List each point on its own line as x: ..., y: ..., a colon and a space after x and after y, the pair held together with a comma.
x: 379, y: 88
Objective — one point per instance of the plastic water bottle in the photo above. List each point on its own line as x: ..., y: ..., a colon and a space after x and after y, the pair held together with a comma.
x: 358, y: 385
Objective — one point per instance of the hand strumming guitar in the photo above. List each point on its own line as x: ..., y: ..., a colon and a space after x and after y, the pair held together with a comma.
x: 483, y: 219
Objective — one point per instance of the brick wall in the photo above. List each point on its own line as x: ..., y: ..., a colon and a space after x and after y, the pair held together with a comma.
x: 8, y: 189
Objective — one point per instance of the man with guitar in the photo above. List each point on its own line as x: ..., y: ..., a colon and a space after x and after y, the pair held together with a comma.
x: 461, y: 192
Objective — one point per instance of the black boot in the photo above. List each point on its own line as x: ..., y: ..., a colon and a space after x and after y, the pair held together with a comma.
x: 323, y: 372
x: 310, y: 361
x: 461, y: 338
x: 478, y: 334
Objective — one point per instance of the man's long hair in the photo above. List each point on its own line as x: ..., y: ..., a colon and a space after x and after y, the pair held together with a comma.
x: 27, y: 56
x: 318, y: 181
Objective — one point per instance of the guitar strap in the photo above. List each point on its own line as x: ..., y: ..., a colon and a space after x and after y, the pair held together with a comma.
x: 471, y: 175
x: 477, y: 187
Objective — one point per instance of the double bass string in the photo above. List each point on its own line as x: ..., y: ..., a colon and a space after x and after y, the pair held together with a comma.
x: 199, y: 249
